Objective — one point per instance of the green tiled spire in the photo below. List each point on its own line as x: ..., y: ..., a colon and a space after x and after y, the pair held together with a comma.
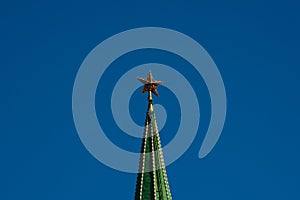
x: 152, y: 182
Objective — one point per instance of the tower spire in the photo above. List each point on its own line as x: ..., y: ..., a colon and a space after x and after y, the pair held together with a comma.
x: 152, y: 182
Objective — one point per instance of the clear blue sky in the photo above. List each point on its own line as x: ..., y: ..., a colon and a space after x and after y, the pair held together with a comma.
x: 255, y: 45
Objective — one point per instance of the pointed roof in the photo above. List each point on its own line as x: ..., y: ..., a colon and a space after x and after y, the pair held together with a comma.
x: 152, y: 182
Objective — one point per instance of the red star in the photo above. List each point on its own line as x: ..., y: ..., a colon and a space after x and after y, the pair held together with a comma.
x: 150, y: 84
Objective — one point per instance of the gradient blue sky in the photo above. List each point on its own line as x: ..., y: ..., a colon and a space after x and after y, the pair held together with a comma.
x: 255, y: 45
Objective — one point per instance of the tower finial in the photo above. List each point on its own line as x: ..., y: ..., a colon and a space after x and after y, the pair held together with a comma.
x: 150, y: 85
